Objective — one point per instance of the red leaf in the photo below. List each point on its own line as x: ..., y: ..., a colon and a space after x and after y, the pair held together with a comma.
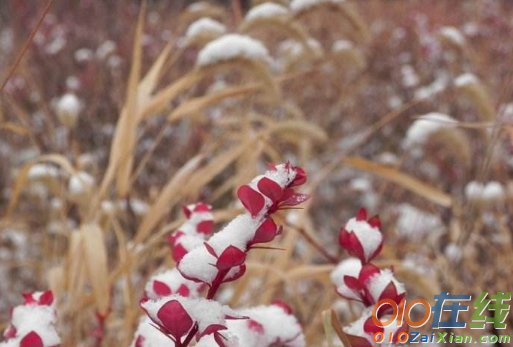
x: 271, y: 166
x: 213, y: 328
x: 175, y: 320
x: 362, y: 215
x: 231, y: 257
x: 32, y: 339
x: 252, y: 200
x: 179, y: 252
x: 29, y: 298
x: 255, y: 326
x: 270, y: 189
x: 375, y: 222
x: 206, y: 227
x: 202, y: 207
x: 10, y: 332
x: 139, y: 342
x: 367, y: 272
x: 371, y: 328
x: 300, y: 178
x: 161, y: 289
x: 283, y: 306
x: 295, y: 199
x: 184, y: 291
x: 352, y: 283
x: 240, y: 271
x: 352, y: 245
x: 46, y: 298
x: 266, y: 232
x: 186, y: 212
x: 390, y: 292
x: 210, y: 249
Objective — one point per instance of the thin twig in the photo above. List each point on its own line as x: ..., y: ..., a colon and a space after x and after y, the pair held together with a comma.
x: 26, y: 45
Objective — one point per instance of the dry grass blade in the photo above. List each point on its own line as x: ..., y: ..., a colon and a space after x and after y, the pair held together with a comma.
x: 328, y: 327
x: 339, y: 330
x: 406, y: 181
x: 125, y: 137
x: 9, y: 126
x: 216, y: 166
x: 170, y: 195
x: 21, y: 180
x: 95, y: 256
x: 196, y: 105
x: 296, y: 127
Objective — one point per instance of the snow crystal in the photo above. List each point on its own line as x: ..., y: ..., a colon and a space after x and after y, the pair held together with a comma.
x: 202, y: 26
x: 453, y: 34
x: 305, y: 5
x: 266, y: 10
x: 232, y: 46
x: 465, y: 79
x: 420, y: 131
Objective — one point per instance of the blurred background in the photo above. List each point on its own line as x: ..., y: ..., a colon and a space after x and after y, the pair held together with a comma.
x: 403, y: 107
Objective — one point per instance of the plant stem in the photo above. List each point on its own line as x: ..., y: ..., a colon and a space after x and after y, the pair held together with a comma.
x: 317, y: 246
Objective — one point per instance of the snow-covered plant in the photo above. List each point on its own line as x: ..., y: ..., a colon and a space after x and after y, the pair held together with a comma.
x: 359, y: 280
x: 33, y: 323
x: 173, y: 299
x: 68, y: 109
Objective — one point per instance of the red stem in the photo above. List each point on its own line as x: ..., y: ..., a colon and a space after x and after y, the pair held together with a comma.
x: 216, y: 284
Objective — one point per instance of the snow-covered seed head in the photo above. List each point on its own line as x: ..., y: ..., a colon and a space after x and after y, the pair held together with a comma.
x: 230, y: 47
x: 362, y: 238
x: 68, y: 109
x: 452, y: 36
x: 203, y: 31
x: 267, y: 10
x: 80, y: 186
x: 489, y: 193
